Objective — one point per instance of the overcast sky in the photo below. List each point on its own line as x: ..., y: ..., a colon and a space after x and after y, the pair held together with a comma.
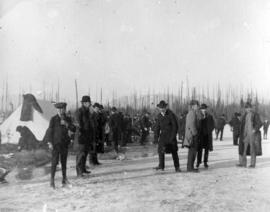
x: 127, y: 44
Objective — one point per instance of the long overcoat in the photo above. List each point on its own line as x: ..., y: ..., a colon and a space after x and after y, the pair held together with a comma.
x: 256, y: 123
x: 192, y: 128
x: 165, y: 132
x: 86, y: 127
x: 209, y: 123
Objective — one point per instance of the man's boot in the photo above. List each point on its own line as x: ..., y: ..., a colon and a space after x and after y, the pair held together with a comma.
x: 65, y: 180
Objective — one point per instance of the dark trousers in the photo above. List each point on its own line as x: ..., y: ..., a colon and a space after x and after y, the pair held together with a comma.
x: 145, y: 133
x: 175, y: 157
x: 93, y: 158
x: 81, y: 159
x: 192, y: 152
x: 236, y: 137
x: 221, y: 134
x: 62, y: 153
x: 199, y: 156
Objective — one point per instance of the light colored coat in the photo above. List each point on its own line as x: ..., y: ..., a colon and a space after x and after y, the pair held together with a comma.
x: 191, y: 127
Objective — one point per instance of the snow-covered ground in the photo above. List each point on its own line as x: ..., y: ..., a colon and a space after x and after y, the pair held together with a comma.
x: 132, y: 185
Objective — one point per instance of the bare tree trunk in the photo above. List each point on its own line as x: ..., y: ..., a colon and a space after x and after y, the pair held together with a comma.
x: 76, y: 93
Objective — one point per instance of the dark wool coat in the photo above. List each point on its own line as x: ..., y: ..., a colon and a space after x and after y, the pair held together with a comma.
x: 86, y: 127
x: 256, y: 122
x: 57, y: 133
x: 206, y: 128
x: 165, y: 132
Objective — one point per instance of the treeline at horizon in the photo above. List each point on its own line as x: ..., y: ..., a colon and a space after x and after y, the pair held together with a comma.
x: 220, y: 101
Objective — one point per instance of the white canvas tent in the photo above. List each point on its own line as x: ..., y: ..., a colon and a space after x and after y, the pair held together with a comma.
x: 37, y: 126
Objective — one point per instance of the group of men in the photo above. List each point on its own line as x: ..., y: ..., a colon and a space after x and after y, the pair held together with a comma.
x: 199, y: 125
x: 94, y: 127
x: 61, y: 131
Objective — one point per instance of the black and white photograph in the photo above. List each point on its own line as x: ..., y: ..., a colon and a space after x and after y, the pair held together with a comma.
x: 134, y: 105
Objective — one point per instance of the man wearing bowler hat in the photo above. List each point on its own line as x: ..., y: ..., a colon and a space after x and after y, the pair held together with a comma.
x: 191, y: 140
x: 165, y: 135
x: 86, y: 136
x: 207, y: 126
x: 60, y: 128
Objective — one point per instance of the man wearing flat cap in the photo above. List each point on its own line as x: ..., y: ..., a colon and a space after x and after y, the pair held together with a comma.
x: 206, y: 127
x: 86, y: 136
x: 165, y: 135
x: 250, y: 136
x: 191, y: 140
x: 59, y: 139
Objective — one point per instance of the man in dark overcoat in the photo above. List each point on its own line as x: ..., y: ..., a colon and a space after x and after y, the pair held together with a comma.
x: 207, y: 126
x: 235, y: 124
x: 165, y: 135
x: 86, y: 138
x: 59, y: 131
